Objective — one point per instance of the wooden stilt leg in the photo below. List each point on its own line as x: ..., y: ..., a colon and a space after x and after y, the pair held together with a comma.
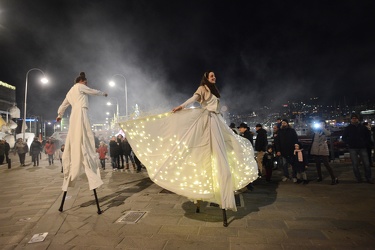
x: 225, y: 222
x: 97, y: 202
x: 62, y: 202
x: 197, y: 210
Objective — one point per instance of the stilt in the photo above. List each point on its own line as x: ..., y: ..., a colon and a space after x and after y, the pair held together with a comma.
x: 197, y: 210
x: 97, y: 202
x: 225, y: 222
x: 62, y: 202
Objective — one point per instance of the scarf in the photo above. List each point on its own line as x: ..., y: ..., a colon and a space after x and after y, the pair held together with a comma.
x: 299, y: 154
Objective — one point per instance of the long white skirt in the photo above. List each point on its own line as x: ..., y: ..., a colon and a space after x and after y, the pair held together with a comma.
x: 193, y: 153
x: 80, y: 153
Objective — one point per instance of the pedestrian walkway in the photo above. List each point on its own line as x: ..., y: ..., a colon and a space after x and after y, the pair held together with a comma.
x: 138, y: 214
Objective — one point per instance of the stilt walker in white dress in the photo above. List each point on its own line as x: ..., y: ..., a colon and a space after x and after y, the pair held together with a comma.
x: 193, y: 152
x: 80, y: 153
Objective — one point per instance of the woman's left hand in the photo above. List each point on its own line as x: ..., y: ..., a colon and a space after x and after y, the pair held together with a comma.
x: 176, y: 109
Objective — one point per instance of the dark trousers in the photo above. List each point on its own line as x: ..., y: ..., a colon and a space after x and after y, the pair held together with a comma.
x: 2, y: 157
x: 138, y: 163
x: 318, y: 160
x: 127, y: 156
x: 268, y: 173
x: 22, y: 158
x: 122, y: 161
x: 102, y: 162
x: 362, y: 153
x: 35, y: 159
x: 114, y: 162
x: 50, y: 159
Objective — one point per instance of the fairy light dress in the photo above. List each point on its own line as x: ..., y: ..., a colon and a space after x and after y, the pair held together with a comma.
x: 193, y: 152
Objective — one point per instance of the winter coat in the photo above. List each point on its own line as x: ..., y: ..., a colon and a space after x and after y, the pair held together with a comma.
x: 127, y: 149
x: 248, y: 135
x: 113, y: 149
x: 21, y: 147
x: 285, y: 140
x: 357, y: 136
x: 50, y: 148
x: 268, y: 160
x: 319, y: 144
x: 102, y: 150
x: 7, y: 148
x: 35, y: 148
x: 261, y: 140
x: 2, y: 149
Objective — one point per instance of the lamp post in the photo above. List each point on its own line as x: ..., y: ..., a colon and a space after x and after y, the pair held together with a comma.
x: 44, y: 80
x: 112, y: 83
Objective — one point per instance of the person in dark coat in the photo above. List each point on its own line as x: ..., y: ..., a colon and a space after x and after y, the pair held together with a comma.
x: 7, y: 149
x: 300, y: 163
x: 114, y: 152
x: 35, y: 149
x: 127, y: 150
x: 120, y: 156
x: 260, y: 146
x: 356, y: 136
x: 245, y: 132
x: 284, y: 144
x: 268, y: 162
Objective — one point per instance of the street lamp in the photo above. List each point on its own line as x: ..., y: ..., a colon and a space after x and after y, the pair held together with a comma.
x: 43, y: 80
x: 112, y: 83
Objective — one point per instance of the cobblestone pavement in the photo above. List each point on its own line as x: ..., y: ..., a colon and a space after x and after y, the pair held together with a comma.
x: 277, y: 215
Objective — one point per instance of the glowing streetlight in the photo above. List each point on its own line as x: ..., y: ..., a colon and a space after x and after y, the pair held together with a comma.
x: 44, y: 81
x: 112, y: 84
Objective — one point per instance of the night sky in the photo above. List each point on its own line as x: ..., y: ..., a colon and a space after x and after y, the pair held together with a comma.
x: 262, y: 52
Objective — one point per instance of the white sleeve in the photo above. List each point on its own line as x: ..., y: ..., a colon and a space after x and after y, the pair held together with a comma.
x: 191, y: 100
x: 64, y: 105
x: 90, y: 91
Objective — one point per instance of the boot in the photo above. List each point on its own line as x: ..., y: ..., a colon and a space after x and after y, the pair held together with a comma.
x: 304, y: 177
x: 127, y: 165
x: 134, y: 167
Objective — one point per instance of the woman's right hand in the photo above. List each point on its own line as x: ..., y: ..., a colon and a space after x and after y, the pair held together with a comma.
x: 176, y: 109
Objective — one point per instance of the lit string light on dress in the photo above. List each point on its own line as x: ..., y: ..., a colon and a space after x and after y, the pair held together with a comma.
x: 177, y: 152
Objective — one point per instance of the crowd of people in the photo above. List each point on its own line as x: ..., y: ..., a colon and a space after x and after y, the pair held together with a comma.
x: 285, y: 151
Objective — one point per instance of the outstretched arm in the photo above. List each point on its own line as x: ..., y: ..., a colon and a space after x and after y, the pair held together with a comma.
x: 191, y: 100
x: 91, y: 91
x: 60, y: 112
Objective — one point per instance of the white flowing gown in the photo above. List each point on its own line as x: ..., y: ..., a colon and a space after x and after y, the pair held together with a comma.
x: 79, y: 152
x: 193, y: 152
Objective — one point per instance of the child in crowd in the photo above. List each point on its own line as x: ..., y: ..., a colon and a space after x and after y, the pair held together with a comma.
x: 102, y: 150
x: 268, y: 162
x: 300, y: 163
x: 61, y: 151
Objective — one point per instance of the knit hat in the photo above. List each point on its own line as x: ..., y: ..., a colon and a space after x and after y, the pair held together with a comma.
x: 354, y: 116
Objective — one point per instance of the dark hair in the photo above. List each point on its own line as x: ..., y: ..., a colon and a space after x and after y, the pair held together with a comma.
x: 81, y: 77
x: 211, y: 86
